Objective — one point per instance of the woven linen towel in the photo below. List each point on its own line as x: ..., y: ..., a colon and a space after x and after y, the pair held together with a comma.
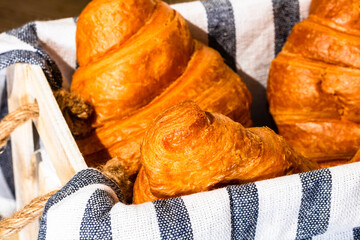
x: 323, y: 204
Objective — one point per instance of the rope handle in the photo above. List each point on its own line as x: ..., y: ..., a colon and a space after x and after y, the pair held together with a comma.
x: 25, y: 216
x: 70, y: 106
x: 34, y: 209
x: 15, y: 119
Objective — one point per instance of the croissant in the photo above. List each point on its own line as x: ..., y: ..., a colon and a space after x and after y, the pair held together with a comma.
x: 187, y: 150
x: 313, y: 84
x: 144, y: 61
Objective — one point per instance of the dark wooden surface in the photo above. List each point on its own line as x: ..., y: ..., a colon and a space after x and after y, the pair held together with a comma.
x: 15, y: 13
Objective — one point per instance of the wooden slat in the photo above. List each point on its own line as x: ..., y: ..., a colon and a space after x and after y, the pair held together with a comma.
x: 53, y: 130
x: 22, y: 145
x: 28, y: 84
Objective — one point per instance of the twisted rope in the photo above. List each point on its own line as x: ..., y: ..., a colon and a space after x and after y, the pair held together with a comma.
x: 32, y: 211
x: 15, y: 119
x: 23, y: 217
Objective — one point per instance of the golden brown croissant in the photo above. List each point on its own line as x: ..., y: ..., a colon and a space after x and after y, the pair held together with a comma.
x: 154, y: 65
x: 313, y: 85
x: 187, y: 150
x: 123, y: 76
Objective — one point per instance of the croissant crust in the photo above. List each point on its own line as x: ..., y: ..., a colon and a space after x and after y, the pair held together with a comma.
x: 187, y: 150
x: 154, y: 65
x: 313, y: 85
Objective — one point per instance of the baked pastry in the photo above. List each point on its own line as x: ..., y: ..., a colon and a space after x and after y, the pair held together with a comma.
x: 121, y: 69
x: 313, y: 88
x: 187, y: 150
x: 153, y: 66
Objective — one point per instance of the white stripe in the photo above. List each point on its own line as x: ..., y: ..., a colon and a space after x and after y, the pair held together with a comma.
x: 58, y: 39
x: 345, y: 199
x: 7, y: 207
x: 9, y: 43
x: 304, y: 6
x: 349, y: 235
x: 254, y: 37
x: 209, y: 214
x: 195, y: 14
x: 134, y: 222
x: 279, y: 204
x: 64, y: 218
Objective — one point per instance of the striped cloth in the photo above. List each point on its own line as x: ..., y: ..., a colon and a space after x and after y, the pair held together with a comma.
x: 50, y: 45
x: 323, y: 204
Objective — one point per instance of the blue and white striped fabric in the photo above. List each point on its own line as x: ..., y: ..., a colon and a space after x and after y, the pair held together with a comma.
x: 50, y: 45
x: 323, y: 204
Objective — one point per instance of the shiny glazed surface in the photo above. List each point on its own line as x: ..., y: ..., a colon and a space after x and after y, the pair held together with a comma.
x: 152, y: 67
x: 313, y: 85
x: 187, y: 150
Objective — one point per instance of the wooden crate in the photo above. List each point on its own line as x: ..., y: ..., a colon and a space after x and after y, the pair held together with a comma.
x: 44, y: 152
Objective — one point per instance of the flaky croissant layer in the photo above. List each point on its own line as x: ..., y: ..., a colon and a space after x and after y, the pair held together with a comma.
x: 129, y: 74
x: 313, y: 85
x: 187, y: 150
x: 206, y: 80
x: 148, y: 62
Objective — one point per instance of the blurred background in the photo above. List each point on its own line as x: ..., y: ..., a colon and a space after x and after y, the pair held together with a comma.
x: 15, y: 13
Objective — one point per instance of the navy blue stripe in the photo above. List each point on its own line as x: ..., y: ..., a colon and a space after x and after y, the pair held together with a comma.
x: 314, y: 213
x: 7, y: 167
x: 356, y: 233
x: 244, y: 206
x: 81, y: 179
x: 28, y: 34
x: 49, y: 67
x: 286, y: 15
x: 173, y: 219
x: 5, y: 156
x: 221, y: 29
x: 96, y: 223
